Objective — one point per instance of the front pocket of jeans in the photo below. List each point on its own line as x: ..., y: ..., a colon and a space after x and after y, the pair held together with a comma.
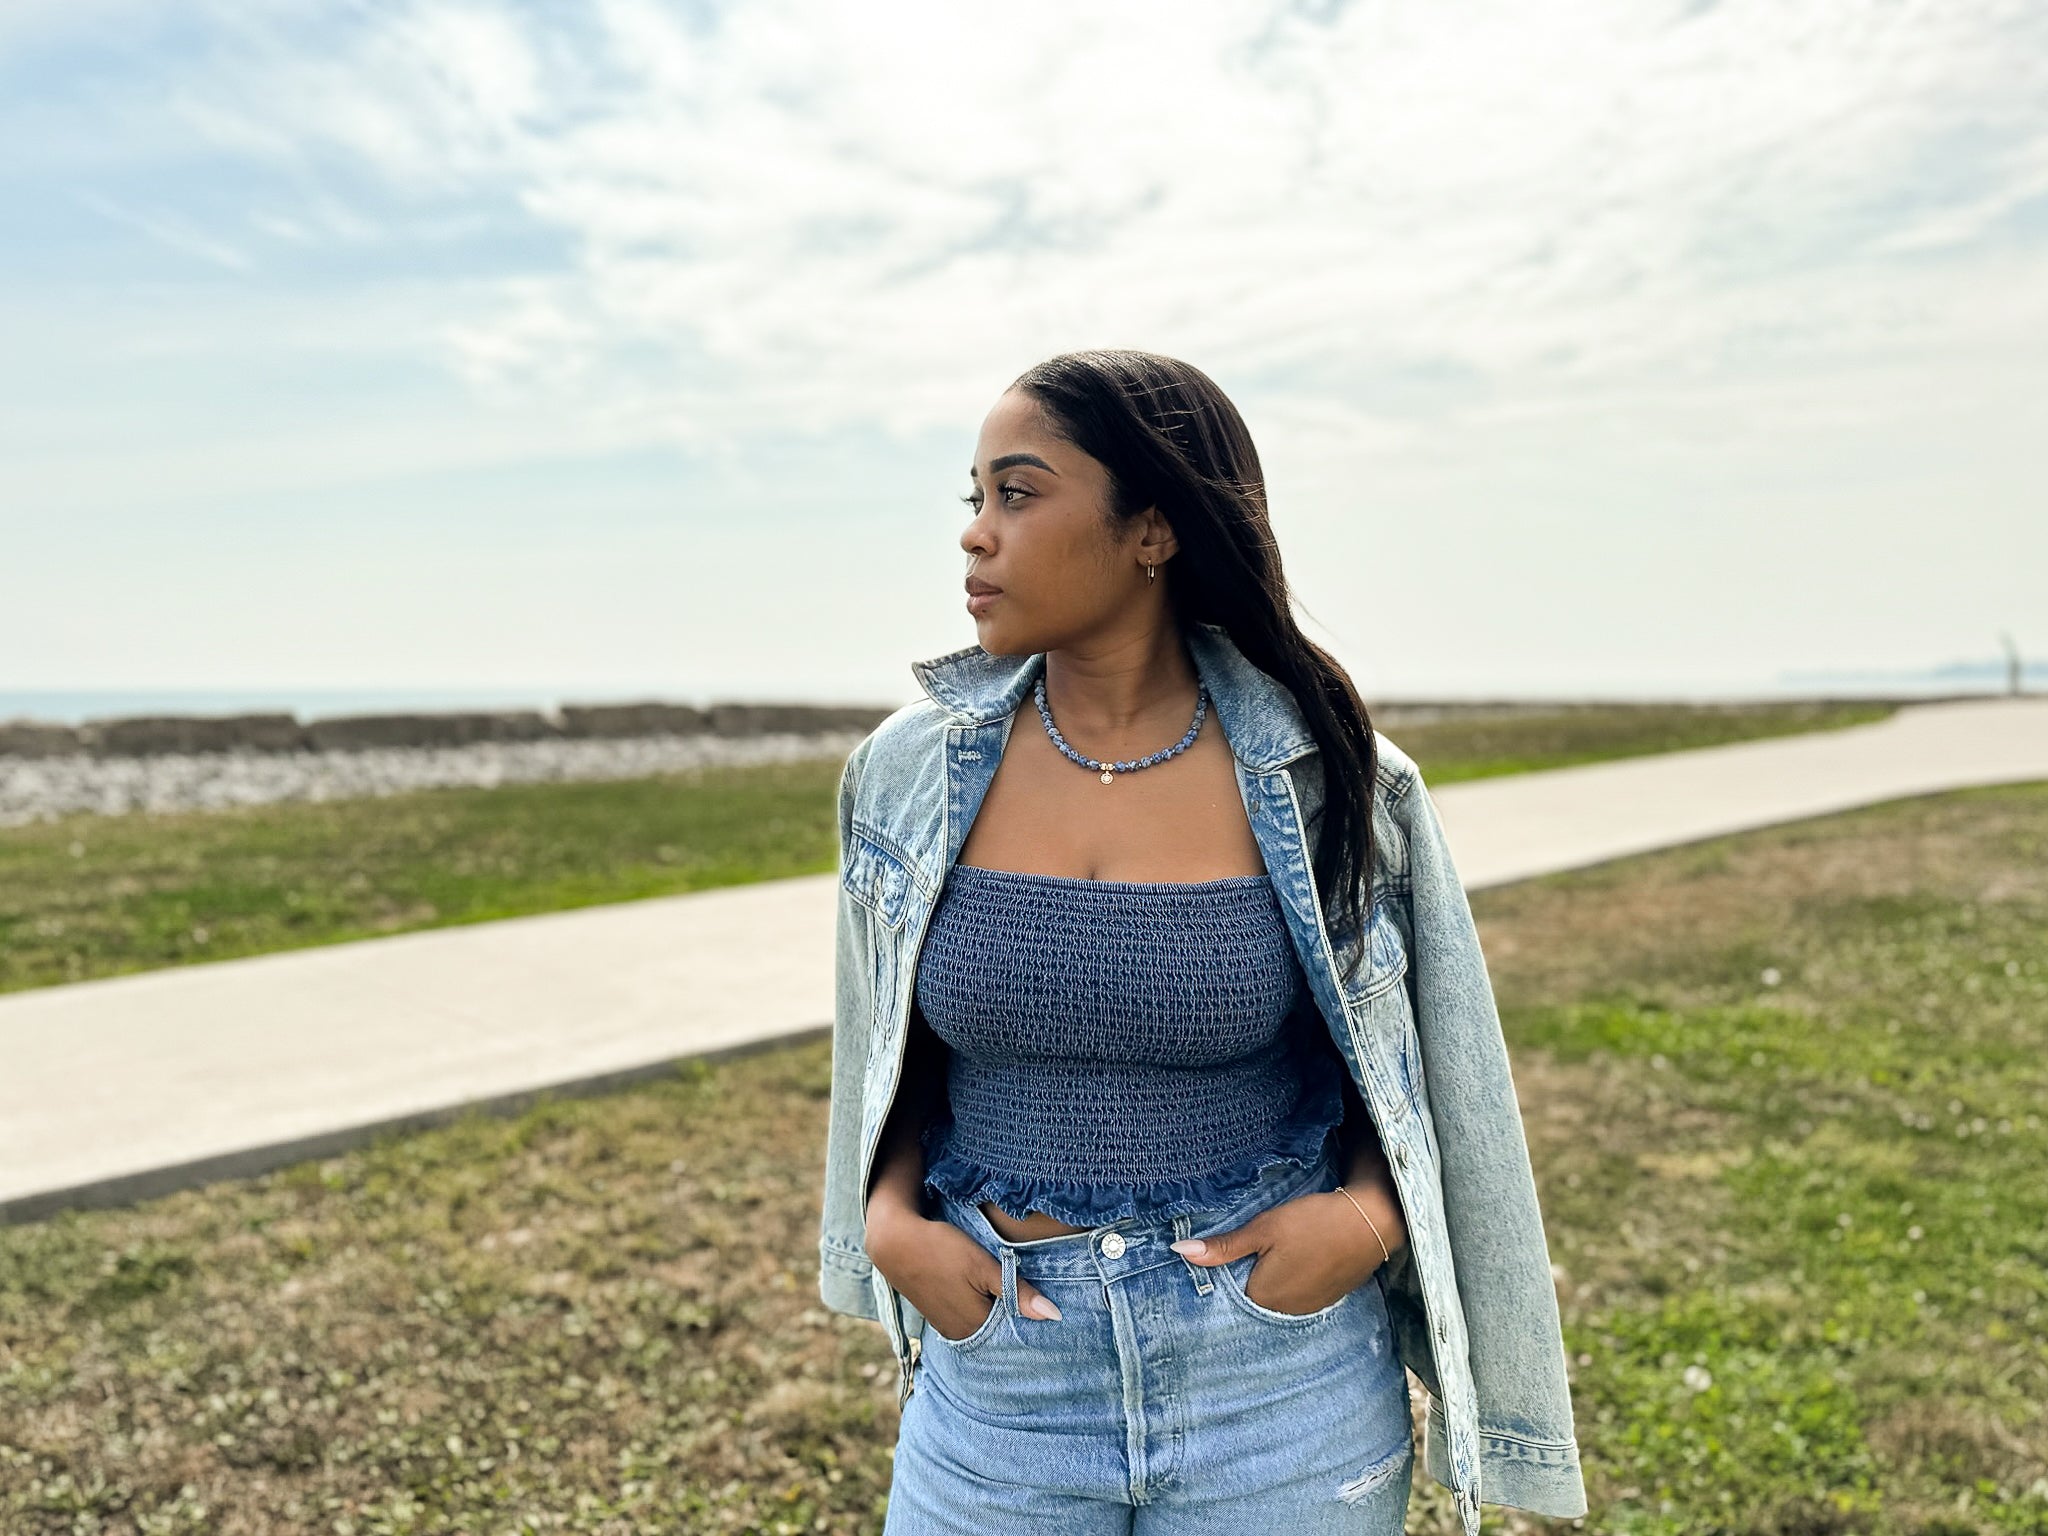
x: 1232, y: 1277
x: 981, y: 1335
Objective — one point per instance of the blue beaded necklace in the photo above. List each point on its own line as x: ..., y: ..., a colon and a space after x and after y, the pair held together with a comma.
x: 1111, y: 770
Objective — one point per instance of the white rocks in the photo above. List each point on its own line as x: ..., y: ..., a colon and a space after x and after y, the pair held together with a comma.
x: 44, y: 788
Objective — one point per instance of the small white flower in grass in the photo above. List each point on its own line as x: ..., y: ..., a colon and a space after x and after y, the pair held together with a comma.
x: 1914, y: 1234
x: 1771, y: 977
x: 1844, y: 1219
x: 1697, y: 1378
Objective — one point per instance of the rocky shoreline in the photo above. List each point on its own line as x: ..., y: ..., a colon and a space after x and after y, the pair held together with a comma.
x: 171, y: 763
x: 279, y: 731
x: 47, y: 788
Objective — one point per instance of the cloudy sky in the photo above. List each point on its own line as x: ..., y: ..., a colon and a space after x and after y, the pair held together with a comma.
x: 1593, y: 348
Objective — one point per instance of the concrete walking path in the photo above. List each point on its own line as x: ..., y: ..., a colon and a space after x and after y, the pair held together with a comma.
x: 120, y: 1089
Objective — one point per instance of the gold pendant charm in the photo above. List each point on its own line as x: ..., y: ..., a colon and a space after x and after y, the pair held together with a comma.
x: 1107, y: 776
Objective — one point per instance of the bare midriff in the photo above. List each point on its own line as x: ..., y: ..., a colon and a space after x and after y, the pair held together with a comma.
x: 1028, y: 1227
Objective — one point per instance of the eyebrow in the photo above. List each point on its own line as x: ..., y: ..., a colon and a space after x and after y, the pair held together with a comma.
x: 998, y: 465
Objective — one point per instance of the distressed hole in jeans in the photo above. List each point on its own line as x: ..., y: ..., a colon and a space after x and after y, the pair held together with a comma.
x: 1374, y: 1476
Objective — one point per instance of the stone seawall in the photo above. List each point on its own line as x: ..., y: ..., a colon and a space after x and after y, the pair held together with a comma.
x: 183, y: 735
x: 180, y: 735
x: 154, y: 764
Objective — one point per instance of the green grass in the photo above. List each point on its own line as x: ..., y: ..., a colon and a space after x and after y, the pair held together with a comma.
x: 1785, y: 1094
x: 1483, y: 747
x: 93, y: 896
x: 595, y: 1317
x: 1808, y: 1275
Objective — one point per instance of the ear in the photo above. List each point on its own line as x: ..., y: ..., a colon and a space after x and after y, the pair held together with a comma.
x: 1156, y: 543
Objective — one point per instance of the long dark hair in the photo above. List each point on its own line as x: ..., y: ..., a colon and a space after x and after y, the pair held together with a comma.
x: 1170, y: 438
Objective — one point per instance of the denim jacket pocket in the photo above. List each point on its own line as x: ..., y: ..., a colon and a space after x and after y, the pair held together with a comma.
x: 875, y: 876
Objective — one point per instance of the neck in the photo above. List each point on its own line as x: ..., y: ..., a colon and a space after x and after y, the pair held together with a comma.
x: 1125, y: 688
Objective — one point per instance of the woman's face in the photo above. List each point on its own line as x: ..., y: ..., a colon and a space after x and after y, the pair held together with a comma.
x: 1038, y: 525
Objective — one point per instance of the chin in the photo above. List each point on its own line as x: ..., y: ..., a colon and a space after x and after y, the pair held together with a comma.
x: 993, y: 640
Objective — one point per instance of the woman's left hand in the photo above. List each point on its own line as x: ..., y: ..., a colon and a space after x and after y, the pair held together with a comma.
x: 1314, y: 1249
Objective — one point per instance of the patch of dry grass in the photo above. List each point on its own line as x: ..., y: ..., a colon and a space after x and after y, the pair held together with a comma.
x: 599, y: 1316
x: 1786, y: 1096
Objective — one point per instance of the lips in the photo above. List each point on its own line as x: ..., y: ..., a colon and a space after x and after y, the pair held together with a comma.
x: 976, y: 587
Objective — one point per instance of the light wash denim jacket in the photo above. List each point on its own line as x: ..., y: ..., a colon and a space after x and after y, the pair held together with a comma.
x: 1408, y: 1004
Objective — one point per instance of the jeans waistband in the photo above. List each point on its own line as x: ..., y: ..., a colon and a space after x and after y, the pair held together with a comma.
x: 1142, y: 1241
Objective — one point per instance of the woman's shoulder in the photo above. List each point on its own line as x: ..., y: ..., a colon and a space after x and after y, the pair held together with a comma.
x: 1394, y: 774
x: 1397, y: 771
x: 903, y: 740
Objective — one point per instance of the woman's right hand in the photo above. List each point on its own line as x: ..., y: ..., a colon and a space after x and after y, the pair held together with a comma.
x: 952, y: 1280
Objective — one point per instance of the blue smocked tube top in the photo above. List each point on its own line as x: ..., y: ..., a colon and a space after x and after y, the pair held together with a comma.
x: 1118, y: 1047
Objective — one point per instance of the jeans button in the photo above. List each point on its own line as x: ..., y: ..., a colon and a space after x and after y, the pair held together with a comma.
x: 1112, y: 1245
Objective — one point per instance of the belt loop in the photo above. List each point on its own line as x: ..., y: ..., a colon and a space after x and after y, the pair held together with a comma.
x: 1181, y: 1227
x: 1009, y: 1258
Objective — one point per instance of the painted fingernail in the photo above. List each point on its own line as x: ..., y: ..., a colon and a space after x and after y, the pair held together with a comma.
x: 1041, y: 1306
x: 1190, y: 1245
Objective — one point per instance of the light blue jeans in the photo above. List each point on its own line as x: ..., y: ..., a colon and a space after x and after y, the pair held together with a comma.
x: 1163, y: 1400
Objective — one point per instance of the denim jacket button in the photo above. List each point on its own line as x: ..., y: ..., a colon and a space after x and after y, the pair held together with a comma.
x: 1113, y: 1245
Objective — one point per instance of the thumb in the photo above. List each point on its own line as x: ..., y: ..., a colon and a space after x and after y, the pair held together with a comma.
x: 1033, y: 1302
x: 1220, y: 1247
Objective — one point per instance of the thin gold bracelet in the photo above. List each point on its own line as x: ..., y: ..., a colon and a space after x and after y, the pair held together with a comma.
x: 1384, y: 1255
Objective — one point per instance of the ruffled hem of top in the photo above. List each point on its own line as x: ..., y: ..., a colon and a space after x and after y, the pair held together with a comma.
x: 1084, y: 1203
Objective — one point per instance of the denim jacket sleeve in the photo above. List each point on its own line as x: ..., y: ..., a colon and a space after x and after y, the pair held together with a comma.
x: 844, y: 1272
x: 1494, y: 1223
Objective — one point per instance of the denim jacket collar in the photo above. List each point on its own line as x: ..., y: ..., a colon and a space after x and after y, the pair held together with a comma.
x: 1259, y: 716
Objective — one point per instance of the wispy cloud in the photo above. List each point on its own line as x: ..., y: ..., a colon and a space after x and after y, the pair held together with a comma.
x: 1510, y: 203
x: 170, y: 230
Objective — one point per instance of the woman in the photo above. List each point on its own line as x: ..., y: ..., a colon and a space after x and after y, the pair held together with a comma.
x: 1120, y: 1050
